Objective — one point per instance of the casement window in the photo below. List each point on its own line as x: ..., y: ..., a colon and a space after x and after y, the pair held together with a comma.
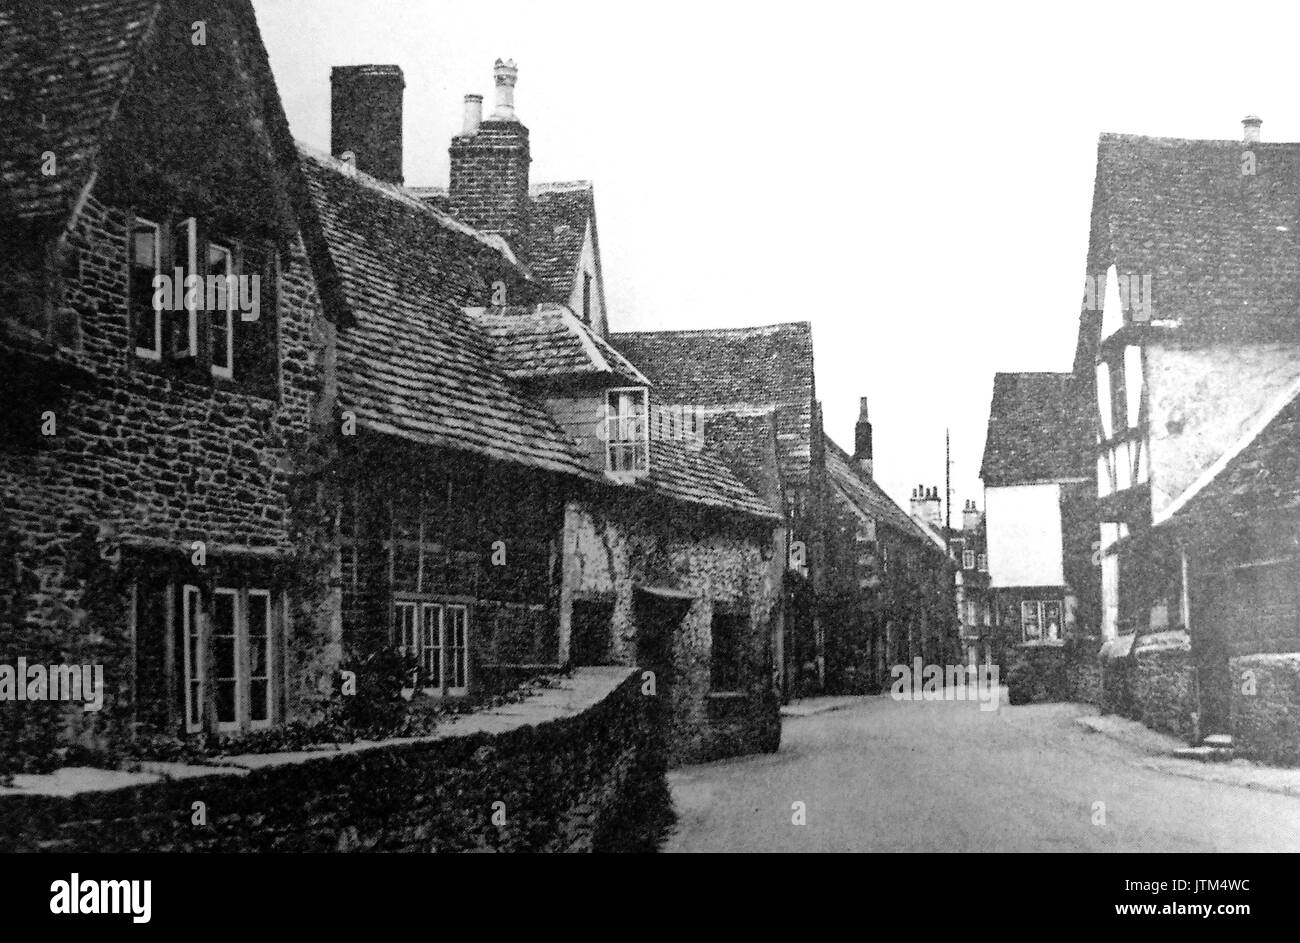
x: 982, y: 562
x: 209, y: 650
x: 224, y: 323
x: 1040, y: 620
x: 968, y: 559
x: 627, y: 432
x: 727, y: 651
x: 194, y: 662
x: 434, y: 636
x: 221, y: 310
x: 146, y: 263
x: 184, y: 324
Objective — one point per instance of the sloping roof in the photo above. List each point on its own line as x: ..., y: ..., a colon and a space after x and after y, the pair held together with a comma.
x: 1038, y: 430
x: 413, y: 364
x: 437, y: 197
x: 693, y: 475
x: 865, y: 496
x: 737, y: 370
x: 1257, y: 483
x: 1222, y: 247
x: 63, y: 70
x: 550, y: 341
x: 557, y: 225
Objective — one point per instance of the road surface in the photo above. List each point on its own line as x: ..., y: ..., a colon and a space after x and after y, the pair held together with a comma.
x: 882, y: 775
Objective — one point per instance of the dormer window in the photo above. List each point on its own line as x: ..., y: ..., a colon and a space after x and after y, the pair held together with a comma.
x: 627, y: 431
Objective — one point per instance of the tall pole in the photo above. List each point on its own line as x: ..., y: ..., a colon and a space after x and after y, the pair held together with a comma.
x: 947, y: 482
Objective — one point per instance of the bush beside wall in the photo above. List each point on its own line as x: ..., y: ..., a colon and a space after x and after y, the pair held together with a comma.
x: 565, y: 783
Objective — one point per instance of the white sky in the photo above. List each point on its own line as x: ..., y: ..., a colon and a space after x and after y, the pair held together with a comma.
x: 914, y: 179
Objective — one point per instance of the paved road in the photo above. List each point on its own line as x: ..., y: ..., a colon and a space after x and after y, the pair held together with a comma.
x: 944, y: 776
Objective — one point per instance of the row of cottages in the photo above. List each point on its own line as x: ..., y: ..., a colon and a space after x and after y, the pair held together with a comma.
x: 969, y: 546
x: 865, y: 587
x: 890, y: 596
x: 1189, y: 348
x: 414, y: 444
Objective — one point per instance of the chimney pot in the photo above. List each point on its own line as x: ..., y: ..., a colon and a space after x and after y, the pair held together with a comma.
x: 473, y: 114
x: 1250, y: 128
x: 506, y: 73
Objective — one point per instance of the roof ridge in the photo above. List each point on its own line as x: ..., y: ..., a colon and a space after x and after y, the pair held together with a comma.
x: 751, y: 329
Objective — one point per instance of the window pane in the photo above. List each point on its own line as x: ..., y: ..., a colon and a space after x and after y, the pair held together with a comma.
x: 219, y: 305
x: 144, y: 266
x: 1052, y: 620
x: 1029, y: 620
x: 224, y: 655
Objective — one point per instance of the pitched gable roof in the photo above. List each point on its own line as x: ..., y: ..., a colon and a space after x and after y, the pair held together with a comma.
x: 416, y: 364
x: 551, y: 342
x: 1222, y: 246
x: 1038, y: 430
x: 737, y: 370
x: 63, y: 70
x: 413, y: 364
x: 557, y: 226
x: 866, y: 497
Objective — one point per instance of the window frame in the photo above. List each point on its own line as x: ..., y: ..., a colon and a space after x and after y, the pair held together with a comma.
x: 193, y: 659
x: 968, y: 559
x: 228, y: 371
x: 614, y: 420
x: 270, y: 656
x: 191, y: 353
x: 1040, y: 613
x: 154, y: 353
x: 237, y: 621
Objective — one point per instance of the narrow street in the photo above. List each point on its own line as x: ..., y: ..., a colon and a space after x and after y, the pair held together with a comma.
x: 881, y: 775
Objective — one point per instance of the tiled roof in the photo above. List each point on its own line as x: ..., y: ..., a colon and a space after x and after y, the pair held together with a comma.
x: 417, y: 365
x: 1222, y: 246
x: 693, y: 475
x: 1039, y: 430
x: 558, y: 219
x: 737, y: 370
x: 63, y: 69
x: 550, y: 341
x: 413, y: 364
x: 867, y: 497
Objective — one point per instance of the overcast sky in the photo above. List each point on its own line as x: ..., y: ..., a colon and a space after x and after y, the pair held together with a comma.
x: 914, y: 179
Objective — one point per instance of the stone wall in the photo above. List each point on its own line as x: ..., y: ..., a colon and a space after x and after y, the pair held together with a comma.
x: 585, y: 779
x: 1266, y: 723
x: 614, y: 549
x: 1164, y: 690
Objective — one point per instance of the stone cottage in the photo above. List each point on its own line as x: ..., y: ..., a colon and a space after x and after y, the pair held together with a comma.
x: 388, y: 456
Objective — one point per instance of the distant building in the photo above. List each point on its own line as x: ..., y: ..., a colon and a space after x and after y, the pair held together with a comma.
x: 1037, y: 513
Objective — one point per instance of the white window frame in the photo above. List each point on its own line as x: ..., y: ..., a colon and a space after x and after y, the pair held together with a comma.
x: 270, y: 659
x: 968, y: 559
x: 449, y: 652
x: 237, y: 615
x: 227, y: 372
x: 192, y: 658
x: 190, y: 225
x: 616, y: 423
x: 147, y: 353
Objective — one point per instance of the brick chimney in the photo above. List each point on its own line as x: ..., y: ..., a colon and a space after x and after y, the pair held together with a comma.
x: 862, y: 440
x: 366, y: 118
x: 971, y: 518
x: 926, y: 505
x: 1250, y: 128
x: 489, y: 167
